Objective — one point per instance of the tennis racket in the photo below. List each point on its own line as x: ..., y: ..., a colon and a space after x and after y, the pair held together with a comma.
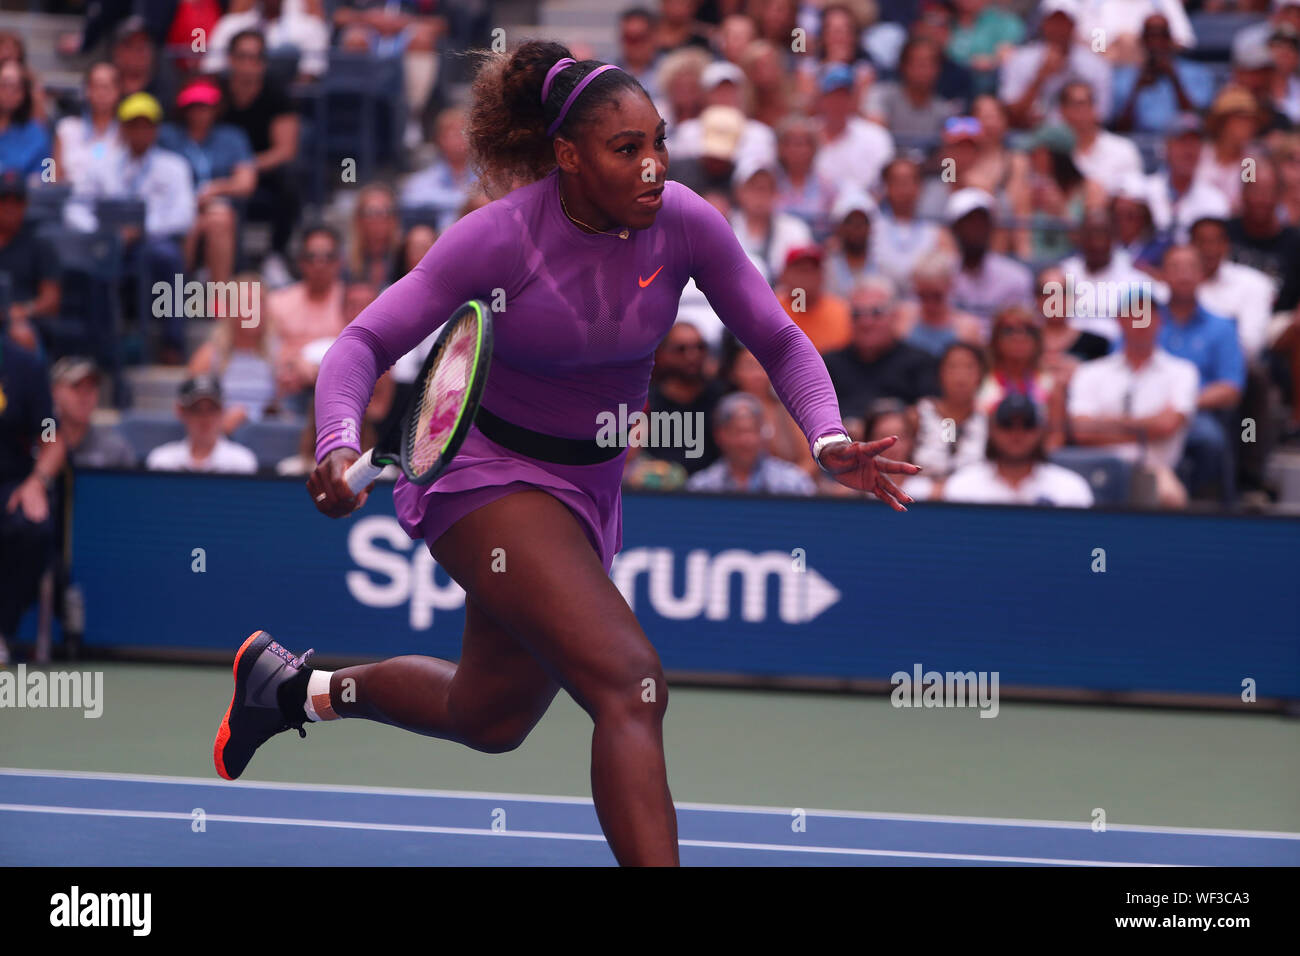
x: 437, y: 419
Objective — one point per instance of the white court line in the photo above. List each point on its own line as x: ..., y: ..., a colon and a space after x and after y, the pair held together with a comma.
x: 545, y: 835
x: 708, y: 807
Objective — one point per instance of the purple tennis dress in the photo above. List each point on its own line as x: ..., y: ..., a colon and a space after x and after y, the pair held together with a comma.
x: 583, y: 314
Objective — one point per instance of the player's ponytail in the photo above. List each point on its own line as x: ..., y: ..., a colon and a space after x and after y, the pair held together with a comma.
x: 510, y: 124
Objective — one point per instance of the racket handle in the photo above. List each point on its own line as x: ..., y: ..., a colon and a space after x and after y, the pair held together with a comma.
x: 362, y: 472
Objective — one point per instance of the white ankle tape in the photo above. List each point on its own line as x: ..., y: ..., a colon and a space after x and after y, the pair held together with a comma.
x: 318, y: 705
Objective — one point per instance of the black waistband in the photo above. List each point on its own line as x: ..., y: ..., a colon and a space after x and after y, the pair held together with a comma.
x: 543, y: 447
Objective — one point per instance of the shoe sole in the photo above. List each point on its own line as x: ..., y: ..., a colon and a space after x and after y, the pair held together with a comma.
x: 236, y: 700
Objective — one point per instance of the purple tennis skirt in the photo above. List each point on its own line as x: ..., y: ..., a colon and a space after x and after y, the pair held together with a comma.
x: 484, y: 471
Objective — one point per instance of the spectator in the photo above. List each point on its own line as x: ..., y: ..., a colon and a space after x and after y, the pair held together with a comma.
x: 677, y: 26
x: 995, y: 168
x: 310, y: 309
x: 75, y: 383
x: 1053, y: 197
x: 678, y: 79
x: 638, y: 54
x: 838, y: 44
x: 910, y: 108
x: 853, y: 218
x: 1149, y: 96
x: 1284, y: 46
x: 1230, y: 289
x: 1233, y: 123
x: 799, y: 191
x: 900, y: 241
x: 930, y: 322
x: 822, y: 316
x: 987, y: 281
x: 1064, y: 344
x: 1100, y: 155
x: 139, y: 68
x: 285, y: 25
x: 1254, y: 71
x: 1016, y: 367
x: 957, y: 157
x: 735, y: 34
x: 203, y: 448
x: 446, y: 184
x: 193, y: 19
x: 852, y: 150
x: 951, y: 431
x: 885, y: 418
x: 771, y: 95
x: 89, y: 139
x: 24, y: 140
x: 1176, y: 188
x: 1136, y: 403
x: 1017, y: 471
x: 1124, y: 22
x: 28, y: 467
x: 720, y: 132
x: 680, y: 384
x: 1105, y: 283
x: 163, y: 181
x: 27, y: 262
x: 741, y: 433
x: 1034, y: 75
x: 724, y: 85
x: 1260, y: 240
x: 241, y: 354
x: 221, y: 161
x: 764, y: 233
x: 419, y: 239
x: 983, y: 37
x: 263, y: 111
x: 13, y: 48
x: 1135, y: 228
x: 876, y: 364
x: 1210, y: 343
x: 956, y: 81
x: 374, y: 249
x: 785, y: 440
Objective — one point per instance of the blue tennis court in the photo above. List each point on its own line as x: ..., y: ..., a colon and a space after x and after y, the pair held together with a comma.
x: 102, y: 819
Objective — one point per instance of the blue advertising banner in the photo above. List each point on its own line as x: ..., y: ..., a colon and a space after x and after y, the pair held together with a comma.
x: 819, y: 588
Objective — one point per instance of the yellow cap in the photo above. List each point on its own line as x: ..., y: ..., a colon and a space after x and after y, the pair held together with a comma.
x: 137, y: 105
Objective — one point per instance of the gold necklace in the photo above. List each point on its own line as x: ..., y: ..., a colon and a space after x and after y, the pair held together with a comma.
x: 622, y: 233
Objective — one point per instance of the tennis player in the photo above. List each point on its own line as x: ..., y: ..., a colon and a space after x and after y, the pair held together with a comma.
x: 585, y: 255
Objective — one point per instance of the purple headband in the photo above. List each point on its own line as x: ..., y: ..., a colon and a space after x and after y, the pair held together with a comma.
x: 577, y: 90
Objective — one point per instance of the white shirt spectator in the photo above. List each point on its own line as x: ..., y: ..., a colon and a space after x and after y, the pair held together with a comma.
x: 1107, y: 287
x: 226, y: 458
x: 295, y: 27
x: 83, y: 148
x: 693, y: 308
x: 1245, y: 295
x: 1170, y: 213
x: 757, y: 141
x: 1022, y: 66
x: 898, y: 247
x: 1046, y: 484
x: 1111, y: 159
x: 788, y: 232
x: 160, y: 177
x: 938, y: 457
x: 1109, y: 387
x: 856, y: 156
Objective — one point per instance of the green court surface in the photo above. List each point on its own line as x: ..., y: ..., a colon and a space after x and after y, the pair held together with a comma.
x: 816, y: 751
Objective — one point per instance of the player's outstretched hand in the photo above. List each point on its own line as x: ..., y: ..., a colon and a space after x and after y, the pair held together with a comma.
x: 329, y: 489
x: 855, y: 464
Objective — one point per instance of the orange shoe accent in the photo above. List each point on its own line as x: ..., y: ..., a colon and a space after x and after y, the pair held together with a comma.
x: 646, y: 282
x: 223, y: 732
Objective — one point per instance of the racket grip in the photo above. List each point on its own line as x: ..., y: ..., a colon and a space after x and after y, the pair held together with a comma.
x: 362, y: 472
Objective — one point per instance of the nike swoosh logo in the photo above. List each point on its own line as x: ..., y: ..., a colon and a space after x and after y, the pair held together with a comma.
x: 646, y: 282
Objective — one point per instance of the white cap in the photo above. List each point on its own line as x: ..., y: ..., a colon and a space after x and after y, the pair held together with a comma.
x: 748, y: 166
x: 721, y: 71
x: 965, y: 201
x: 1205, y: 204
x: 1069, y: 7
x: 852, y: 199
x: 1133, y: 186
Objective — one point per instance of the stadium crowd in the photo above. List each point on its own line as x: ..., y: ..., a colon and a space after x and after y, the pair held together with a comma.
x: 1054, y: 246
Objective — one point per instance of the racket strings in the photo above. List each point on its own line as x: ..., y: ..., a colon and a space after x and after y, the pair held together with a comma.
x: 443, y: 397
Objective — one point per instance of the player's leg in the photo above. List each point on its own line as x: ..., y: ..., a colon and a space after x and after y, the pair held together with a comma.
x: 555, y: 598
x: 489, y: 700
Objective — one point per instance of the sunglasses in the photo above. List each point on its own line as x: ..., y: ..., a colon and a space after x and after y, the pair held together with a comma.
x: 1017, y: 330
x: 874, y: 312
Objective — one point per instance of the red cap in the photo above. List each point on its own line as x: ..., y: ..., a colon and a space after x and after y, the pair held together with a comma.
x: 200, y: 91
x: 803, y: 252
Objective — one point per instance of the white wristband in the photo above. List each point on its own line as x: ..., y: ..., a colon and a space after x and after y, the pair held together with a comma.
x: 825, y: 440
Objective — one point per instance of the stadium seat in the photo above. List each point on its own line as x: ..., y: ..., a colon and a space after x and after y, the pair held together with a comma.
x: 271, y: 440
x: 89, y: 320
x: 364, y: 102
x: 282, y: 66
x: 1109, y: 477
x: 45, y: 205
x: 145, y: 431
x: 1215, y: 32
